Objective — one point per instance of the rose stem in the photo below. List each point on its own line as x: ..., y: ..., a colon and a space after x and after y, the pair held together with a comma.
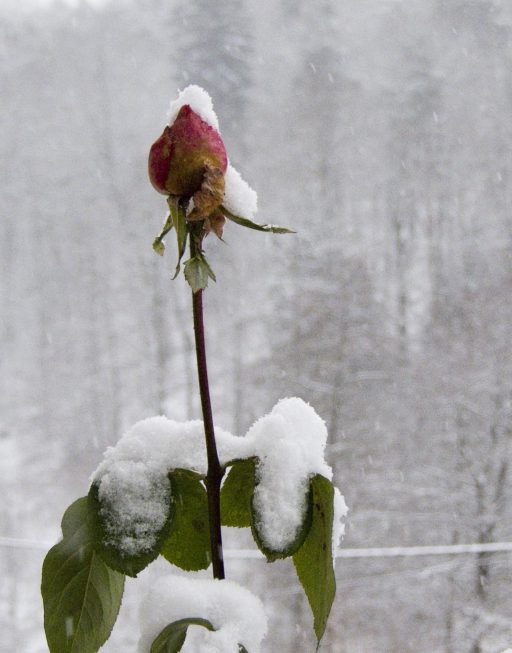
x: 215, y: 471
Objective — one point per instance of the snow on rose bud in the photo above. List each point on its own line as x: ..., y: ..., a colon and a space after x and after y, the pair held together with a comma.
x: 189, y: 161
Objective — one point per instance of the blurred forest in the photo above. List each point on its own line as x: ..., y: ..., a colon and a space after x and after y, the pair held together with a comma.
x: 380, y: 131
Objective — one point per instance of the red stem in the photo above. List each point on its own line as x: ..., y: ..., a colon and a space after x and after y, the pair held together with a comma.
x: 215, y: 471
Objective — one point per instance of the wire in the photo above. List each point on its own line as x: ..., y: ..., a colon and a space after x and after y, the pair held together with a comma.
x: 432, y: 550
x: 19, y: 543
x: 397, y: 551
x: 376, y: 552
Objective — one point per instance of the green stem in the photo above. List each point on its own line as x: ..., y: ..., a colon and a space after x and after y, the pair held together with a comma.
x: 215, y: 471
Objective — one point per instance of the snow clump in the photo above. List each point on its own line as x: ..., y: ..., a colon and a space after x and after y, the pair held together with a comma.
x: 289, y: 443
x: 338, y: 525
x: 133, y: 484
x: 199, y: 101
x: 236, y: 614
x: 239, y: 197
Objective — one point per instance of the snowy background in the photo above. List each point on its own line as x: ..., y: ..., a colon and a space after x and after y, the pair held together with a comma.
x: 380, y: 131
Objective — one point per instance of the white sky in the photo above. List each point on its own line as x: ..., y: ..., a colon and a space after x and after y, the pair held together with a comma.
x: 23, y: 6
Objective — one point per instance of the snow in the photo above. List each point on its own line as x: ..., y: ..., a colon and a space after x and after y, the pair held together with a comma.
x: 199, y: 101
x: 164, y: 444
x: 338, y: 526
x: 136, y: 502
x: 239, y: 197
x: 236, y: 614
x: 134, y: 489
x: 289, y: 443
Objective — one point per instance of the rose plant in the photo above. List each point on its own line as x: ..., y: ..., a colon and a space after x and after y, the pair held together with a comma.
x: 141, y: 505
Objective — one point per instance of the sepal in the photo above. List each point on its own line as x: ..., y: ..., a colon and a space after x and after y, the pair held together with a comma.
x: 245, y: 222
x: 158, y: 243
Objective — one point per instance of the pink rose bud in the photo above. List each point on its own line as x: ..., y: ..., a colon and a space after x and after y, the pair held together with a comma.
x: 181, y: 157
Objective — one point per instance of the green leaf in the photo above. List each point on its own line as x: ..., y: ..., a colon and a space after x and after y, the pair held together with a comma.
x: 180, y: 222
x: 237, y: 492
x: 130, y: 565
x: 313, y: 561
x: 158, y: 244
x: 188, y: 545
x: 81, y: 594
x: 273, y: 554
x: 197, y: 273
x: 211, y: 273
x: 172, y: 637
x: 244, y: 222
x: 159, y: 247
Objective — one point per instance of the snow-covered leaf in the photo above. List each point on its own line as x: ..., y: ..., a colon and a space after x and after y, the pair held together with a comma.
x: 313, y: 561
x: 188, y: 545
x: 81, y: 594
x: 293, y: 546
x: 114, y: 555
x: 238, y: 509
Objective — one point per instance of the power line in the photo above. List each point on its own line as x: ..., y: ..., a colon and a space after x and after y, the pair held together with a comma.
x: 432, y: 550
x: 397, y: 551
x: 19, y: 543
x: 375, y: 552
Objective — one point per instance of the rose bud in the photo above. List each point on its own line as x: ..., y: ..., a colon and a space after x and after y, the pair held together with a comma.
x: 189, y: 159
